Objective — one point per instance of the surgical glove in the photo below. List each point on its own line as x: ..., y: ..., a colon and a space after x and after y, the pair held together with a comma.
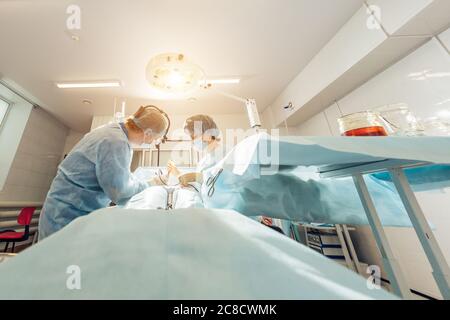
x: 172, y: 168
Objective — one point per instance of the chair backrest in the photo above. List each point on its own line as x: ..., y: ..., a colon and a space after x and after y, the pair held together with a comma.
x: 25, y: 216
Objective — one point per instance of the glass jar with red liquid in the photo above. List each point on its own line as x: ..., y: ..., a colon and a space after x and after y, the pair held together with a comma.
x: 364, y: 123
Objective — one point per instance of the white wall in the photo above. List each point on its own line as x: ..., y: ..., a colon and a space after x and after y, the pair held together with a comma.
x: 316, y: 126
x: 422, y: 80
x: 444, y: 37
x: 37, y: 158
x: 73, y: 137
x: 268, y: 122
x: 427, y: 96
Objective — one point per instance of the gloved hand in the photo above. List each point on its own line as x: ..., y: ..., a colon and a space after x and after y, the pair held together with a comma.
x: 172, y: 169
x: 187, y: 178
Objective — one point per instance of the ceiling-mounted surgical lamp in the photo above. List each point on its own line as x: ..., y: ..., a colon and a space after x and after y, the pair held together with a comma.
x: 172, y: 76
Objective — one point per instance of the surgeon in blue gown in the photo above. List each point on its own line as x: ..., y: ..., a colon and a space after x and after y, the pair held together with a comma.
x: 97, y: 171
x: 205, y: 136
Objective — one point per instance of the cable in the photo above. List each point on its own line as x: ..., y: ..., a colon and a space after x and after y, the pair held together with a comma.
x: 160, y: 174
x: 160, y: 177
x: 164, y: 137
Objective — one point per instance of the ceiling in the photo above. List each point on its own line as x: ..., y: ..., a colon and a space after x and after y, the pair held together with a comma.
x: 264, y: 42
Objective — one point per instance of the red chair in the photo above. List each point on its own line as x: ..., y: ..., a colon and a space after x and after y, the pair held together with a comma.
x: 24, y: 219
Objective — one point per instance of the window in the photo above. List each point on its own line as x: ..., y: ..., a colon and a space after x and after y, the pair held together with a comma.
x: 3, y: 109
x: 14, y: 114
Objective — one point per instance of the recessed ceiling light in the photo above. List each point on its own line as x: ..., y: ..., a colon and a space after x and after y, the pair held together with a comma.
x: 89, y: 84
x: 87, y: 101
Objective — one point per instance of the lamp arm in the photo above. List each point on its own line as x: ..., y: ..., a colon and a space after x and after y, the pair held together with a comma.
x: 252, y: 110
x: 229, y: 95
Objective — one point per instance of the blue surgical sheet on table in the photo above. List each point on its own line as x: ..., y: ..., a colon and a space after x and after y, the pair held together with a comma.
x: 263, y: 149
x: 257, y: 177
x: 178, y: 254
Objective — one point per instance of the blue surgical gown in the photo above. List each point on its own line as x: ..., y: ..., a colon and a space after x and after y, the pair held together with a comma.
x: 96, y: 172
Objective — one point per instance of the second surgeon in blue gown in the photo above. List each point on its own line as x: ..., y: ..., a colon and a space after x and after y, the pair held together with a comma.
x: 97, y: 170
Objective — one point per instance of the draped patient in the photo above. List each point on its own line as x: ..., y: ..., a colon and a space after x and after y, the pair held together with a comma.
x: 204, y: 134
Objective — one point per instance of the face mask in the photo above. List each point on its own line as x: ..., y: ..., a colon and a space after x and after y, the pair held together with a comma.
x: 146, y: 143
x: 199, y: 144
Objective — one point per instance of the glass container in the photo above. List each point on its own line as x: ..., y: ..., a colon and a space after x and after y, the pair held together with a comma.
x: 399, y: 120
x: 364, y: 123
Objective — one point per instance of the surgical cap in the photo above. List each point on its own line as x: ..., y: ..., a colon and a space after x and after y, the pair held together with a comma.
x: 201, y: 124
x: 151, y: 120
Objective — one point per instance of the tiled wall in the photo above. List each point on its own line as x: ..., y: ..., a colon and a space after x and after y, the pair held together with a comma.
x: 72, y: 139
x: 37, y: 158
x: 427, y: 96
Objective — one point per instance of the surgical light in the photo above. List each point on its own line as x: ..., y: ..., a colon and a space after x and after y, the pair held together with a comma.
x: 173, y: 76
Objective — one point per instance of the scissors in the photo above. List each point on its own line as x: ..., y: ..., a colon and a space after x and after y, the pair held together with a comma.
x: 210, y: 183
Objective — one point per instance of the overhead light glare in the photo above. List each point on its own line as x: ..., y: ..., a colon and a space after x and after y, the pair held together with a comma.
x: 90, y: 84
x: 171, y: 75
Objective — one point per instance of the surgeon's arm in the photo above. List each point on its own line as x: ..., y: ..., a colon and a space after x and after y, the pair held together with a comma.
x: 113, y: 171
